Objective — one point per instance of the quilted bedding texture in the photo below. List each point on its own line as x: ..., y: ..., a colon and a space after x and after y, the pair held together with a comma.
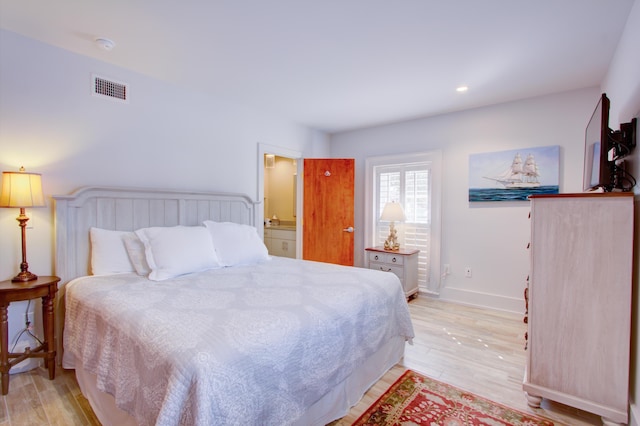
x: 233, y: 345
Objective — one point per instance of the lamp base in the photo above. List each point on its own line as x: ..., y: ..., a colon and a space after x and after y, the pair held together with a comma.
x: 391, y: 246
x: 23, y: 277
x: 391, y: 243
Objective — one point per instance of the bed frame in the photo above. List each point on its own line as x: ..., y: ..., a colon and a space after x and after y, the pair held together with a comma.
x: 128, y: 209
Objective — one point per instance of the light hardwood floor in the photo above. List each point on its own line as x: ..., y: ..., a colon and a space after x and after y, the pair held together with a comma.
x: 475, y: 349
x: 478, y: 350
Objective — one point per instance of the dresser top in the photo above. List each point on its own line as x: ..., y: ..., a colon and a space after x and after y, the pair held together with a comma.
x: 584, y: 195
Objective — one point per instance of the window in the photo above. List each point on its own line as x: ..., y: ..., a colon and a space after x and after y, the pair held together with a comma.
x: 411, y: 181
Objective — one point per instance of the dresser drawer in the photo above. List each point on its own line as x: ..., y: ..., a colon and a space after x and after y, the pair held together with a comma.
x: 390, y: 258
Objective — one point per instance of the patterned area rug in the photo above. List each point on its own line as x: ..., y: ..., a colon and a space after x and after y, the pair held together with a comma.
x: 418, y: 400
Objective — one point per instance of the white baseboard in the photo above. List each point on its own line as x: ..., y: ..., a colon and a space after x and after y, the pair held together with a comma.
x: 483, y: 300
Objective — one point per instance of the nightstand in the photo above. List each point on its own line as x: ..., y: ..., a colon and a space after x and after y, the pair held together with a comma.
x: 403, y: 263
x: 46, y: 288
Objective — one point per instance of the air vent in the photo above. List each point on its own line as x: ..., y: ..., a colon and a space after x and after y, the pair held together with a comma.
x: 110, y: 89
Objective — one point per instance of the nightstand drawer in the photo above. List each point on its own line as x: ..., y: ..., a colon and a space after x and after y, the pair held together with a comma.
x: 390, y: 258
x: 398, y: 270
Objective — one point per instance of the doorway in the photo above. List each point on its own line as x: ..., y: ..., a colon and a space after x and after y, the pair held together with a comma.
x: 266, y: 207
x: 280, y: 212
x: 279, y: 195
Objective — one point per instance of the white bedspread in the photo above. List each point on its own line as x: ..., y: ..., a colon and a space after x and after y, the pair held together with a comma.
x: 242, y: 345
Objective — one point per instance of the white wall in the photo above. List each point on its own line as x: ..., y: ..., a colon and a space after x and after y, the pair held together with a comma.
x: 164, y: 137
x: 491, y: 238
x: 622, y: 85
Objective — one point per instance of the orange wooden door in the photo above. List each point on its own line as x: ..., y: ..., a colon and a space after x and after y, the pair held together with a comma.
x: 328, y: 203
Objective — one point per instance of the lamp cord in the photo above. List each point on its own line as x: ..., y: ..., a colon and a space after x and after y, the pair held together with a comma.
x: 27, y: 329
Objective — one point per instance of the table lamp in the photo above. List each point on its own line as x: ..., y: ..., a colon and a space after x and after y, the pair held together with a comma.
x: 392, y: 212
x: 22, y: 190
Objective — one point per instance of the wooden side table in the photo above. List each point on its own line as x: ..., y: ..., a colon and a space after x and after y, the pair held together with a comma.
x: 46, y: 288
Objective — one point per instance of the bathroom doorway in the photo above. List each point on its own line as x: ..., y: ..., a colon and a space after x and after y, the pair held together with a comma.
x: 278, y: 183
x: 280, y: 212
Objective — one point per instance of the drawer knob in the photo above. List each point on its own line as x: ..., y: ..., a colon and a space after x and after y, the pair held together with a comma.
x: 376, y: 258
x: 385, y: 270
x: 393, y: 260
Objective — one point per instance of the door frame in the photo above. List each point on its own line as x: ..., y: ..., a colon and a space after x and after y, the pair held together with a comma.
x: 259, y: 219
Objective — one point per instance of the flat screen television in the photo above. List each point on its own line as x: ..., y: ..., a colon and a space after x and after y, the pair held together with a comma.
x: 597, y: 170
x: 605, y: 152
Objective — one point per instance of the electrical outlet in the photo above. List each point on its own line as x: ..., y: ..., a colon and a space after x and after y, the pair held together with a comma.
x: 467, y: 271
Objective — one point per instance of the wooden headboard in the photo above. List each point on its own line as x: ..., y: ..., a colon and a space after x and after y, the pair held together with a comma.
x: 128, y: 209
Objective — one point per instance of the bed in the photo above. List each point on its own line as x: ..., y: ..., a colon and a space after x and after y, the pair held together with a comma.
x: 245, y: 339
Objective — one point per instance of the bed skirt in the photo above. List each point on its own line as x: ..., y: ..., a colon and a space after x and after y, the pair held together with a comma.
x: 332, y: 406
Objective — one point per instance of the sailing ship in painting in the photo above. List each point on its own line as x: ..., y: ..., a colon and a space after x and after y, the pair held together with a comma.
x: 515, y: 177
x: 520, y: 174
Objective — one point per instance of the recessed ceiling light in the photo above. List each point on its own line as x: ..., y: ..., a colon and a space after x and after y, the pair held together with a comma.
x: 105, y: 43
x: 462, y: 89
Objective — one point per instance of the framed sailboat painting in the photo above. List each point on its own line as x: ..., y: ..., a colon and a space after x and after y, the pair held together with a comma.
x: 515, y: 174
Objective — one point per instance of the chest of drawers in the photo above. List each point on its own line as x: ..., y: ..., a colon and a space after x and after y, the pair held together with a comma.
x: 580, y: 302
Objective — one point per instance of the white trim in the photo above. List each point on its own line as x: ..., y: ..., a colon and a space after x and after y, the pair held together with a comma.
x: 433, y: 157
x: 280, y: 152
x: 481, y: 299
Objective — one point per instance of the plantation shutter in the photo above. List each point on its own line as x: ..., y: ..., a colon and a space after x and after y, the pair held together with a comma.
x: 410, y: 185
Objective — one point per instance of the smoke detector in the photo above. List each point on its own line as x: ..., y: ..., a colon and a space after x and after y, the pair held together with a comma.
x: 105, y: 43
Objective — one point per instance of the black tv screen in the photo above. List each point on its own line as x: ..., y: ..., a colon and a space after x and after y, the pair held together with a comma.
x: 597, y: 172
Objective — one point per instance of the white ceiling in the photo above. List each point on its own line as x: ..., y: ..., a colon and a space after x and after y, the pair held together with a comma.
x: 337, y: 65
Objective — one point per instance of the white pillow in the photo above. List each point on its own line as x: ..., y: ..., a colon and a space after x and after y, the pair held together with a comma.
x: 137, y: 256
x: 177, y: 250
x: 236, y: 244
x: 108, y: 252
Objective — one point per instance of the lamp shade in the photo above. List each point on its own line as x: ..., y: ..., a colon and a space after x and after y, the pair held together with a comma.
x: 21, y: 189
x: 393, y: 212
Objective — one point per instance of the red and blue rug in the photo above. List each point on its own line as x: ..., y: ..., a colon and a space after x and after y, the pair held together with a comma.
x: 415, y: 399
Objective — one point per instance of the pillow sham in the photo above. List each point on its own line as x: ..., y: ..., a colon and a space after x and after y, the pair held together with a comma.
x: 108, y: 252
x: 236, y: 244
x: 135, y: 250
x: 177, y: 250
